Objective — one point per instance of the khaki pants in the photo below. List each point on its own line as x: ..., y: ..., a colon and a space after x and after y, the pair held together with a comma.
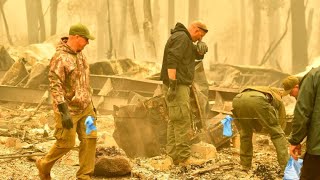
x: 65, y: 141
x: 179, y: 125
x: 253, y: 111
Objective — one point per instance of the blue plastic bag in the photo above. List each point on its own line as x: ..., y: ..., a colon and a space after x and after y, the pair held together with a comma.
x: 90, y: 125
x: 227, y: 129
x: 293, y: 168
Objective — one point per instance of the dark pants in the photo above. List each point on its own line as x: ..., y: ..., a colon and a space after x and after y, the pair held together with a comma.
x: 310, y: 169
x: 179, y: 125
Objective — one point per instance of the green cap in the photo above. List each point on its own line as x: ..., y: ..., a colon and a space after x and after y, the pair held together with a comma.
x: 289, y: 83
x: 81, y: 30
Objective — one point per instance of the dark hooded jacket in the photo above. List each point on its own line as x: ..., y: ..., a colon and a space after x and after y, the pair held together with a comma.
x: 306, y: 120
x: 180, y: 54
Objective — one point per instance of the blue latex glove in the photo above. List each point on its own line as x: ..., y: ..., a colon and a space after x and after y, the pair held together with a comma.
x: 89, y: 125
x: 227, y: 129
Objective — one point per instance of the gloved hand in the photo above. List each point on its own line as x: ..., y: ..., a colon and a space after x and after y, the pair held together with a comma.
x: 65, y: 116
x: 202, y: 47
x: 90, y: 125
x: 171, y: 94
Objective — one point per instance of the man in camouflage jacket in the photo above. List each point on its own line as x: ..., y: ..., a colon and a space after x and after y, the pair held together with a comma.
x: 72, y: 104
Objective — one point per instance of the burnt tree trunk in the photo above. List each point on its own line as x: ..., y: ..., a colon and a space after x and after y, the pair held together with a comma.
x: 122, y: 45
x: 102, y: 29
x: 42, y: 29
x: 35, y: 21
x: 309, y: 25
x: 2, y: 2
x: 299, y: 37
x: 148, y: 29
x: 171, y: 19
x: 110, y: 50
x: 135, y: 29
x: 193, y: 10
x: 32, y: 21
x: 156, y: 24
x: 256, y: 26
x: 53, y: 16
x: 274, y: 33
x: 242, y: 32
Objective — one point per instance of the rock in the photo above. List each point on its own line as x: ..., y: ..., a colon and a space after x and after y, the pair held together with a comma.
x: 161, y: 163
x: 112, y: 166
x: 204, y: 150
x: 11, y: 142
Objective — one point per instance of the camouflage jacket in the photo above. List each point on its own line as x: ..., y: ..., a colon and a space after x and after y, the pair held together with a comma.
x: 276, y: 101
x: 69, y: 79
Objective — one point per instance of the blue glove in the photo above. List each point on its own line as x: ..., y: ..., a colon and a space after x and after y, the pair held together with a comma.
x: 89, y: 125
x: 293, y: 169
x: 227, y: 129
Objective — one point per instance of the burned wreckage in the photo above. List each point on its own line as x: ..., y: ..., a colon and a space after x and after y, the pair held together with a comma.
x: 137, y: 104
x: 140, y: 127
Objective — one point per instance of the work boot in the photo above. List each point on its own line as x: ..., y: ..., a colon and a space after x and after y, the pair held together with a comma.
x: 192, y: 161
x: 42, y: 175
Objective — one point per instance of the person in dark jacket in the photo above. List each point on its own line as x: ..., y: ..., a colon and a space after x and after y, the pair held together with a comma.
x: 306, y: 123
x: 177, y: 74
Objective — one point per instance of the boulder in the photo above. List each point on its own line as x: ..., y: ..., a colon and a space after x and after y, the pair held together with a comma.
x: 112, y: 166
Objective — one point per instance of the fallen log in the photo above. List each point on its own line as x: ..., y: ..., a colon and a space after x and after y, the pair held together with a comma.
x: 208, y: 169
x: 19, y: 156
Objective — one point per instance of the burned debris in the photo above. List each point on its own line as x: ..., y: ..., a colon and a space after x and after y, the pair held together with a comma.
x: 139, y: 113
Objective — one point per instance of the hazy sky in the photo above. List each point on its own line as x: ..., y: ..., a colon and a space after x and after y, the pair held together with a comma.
x: 222, y: 18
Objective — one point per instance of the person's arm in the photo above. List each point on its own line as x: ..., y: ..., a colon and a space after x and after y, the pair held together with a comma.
x: 172, y: 73
x: 176, y: 51
x: 282, y: 116
x: 57, y: 76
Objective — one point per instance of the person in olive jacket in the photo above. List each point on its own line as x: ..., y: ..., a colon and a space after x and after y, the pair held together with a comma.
x: 257, y: 108
x: 306, y: 123
x: 177, y: 74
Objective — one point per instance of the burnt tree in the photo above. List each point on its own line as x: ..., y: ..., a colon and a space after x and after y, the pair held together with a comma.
x: 193, y: 10
x: 148, y: 29
x: 53, y: 16
x: 171, y: 20
x: 256, y: 26
x: 2, y: 2
x: 242, y: 31
x: 35, y: 21
x: 299, y: 36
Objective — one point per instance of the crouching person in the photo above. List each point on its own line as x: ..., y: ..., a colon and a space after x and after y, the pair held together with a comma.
x: 256, y: 108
